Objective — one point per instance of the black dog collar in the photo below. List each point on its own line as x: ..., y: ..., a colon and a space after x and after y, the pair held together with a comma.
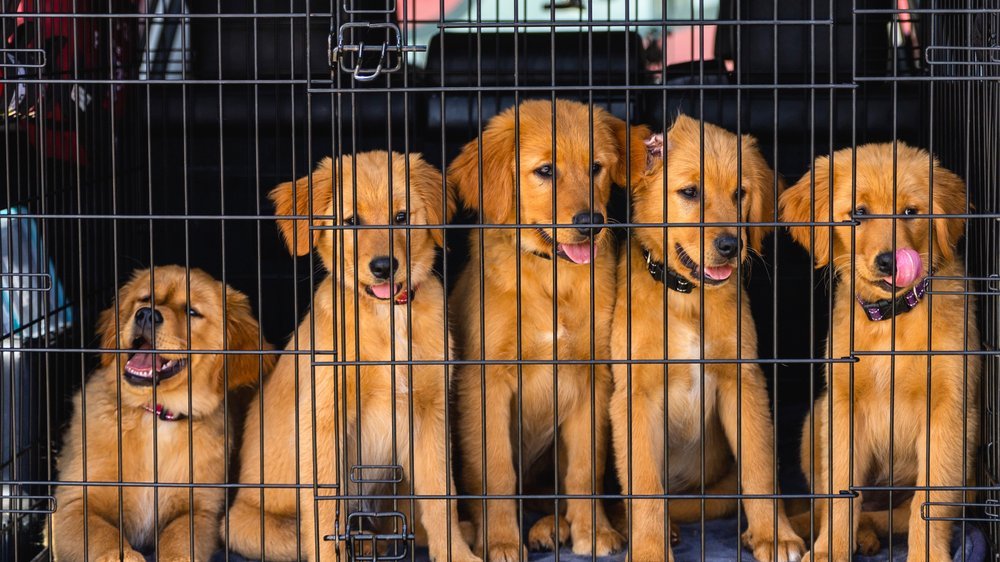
x: 886, y: 308
x: 663, y: 274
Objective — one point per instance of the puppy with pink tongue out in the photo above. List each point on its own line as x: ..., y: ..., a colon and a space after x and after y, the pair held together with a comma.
x: 553, y: 276
x: 679, y: 300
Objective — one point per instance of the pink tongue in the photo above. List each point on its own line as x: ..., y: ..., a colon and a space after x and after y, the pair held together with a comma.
x: 383, y: 290
x: 577, y: 253
x: 909, y: 266
x: 141, y: 362
x: 144, y: 361
x: 719, y: 273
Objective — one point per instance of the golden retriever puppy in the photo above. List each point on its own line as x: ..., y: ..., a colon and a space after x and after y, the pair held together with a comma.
x: 881, y: 305
x: 161, y: 412
x: 690, y: 268
x: 381, y: 303
x: 523, y: 190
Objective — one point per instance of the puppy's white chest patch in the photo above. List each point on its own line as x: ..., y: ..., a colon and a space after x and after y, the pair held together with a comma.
x: 560, y: 333
x: 691, y: 346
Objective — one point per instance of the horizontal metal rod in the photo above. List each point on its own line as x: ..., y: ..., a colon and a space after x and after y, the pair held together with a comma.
x: 622, y: 23
x: 471, y: 226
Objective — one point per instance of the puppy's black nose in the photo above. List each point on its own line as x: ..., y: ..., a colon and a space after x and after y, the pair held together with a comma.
x: 884, y: 262
x: 146, y: 318
x: 589, y: 220
x: 727, y: 245
x: 383, y: 266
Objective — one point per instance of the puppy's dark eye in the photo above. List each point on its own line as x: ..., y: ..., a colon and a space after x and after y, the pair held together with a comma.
x: 861, y: 210
x: 193, y: 312
x: 544, y: 171
x: 910, y: 211
x: 689, y: 192
x: 596, y: 169
x: 741, y: 193
x: 350, y: 221
x: 144, y: 298
x: 401, y: 217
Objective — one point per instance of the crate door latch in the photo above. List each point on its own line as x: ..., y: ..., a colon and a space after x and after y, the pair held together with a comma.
x: 350, y: 55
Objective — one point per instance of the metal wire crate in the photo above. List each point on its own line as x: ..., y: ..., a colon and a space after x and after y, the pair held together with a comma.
x: 150, y: 133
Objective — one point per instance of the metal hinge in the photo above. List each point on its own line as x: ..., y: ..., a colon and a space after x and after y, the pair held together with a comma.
x: 367, y: 540
x: 349, y: 54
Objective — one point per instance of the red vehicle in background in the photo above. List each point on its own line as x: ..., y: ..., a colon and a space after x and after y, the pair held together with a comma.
x: 52, y: 44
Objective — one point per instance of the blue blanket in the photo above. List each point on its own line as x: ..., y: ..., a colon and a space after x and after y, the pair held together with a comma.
x: 721, y: 540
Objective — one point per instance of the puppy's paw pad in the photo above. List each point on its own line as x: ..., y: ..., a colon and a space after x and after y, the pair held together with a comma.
x: 543, y: 534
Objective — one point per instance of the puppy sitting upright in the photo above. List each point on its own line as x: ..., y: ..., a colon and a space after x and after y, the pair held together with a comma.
x: 154, y: 312
x: 380, y: 303
x: 523, y: 181
x: 690, y: 268
x: 885, y: 265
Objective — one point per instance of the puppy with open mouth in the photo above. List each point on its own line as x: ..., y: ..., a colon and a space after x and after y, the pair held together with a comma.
x: 679, y: 292
x: 167, y: 405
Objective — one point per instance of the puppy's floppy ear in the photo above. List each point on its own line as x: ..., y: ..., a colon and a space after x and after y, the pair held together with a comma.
x: 292, y: 198
x: 633, y: 153
x: 796, y: 203
x: 437, y: 200
x: 761, y: 180
x: 497, y: 205
x: 949, y: 198
x: 243, y: 334
x: 107, y: 328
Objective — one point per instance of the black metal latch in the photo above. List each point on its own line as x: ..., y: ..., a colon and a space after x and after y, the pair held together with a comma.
x: 366, y: 50
x: 375, y: 535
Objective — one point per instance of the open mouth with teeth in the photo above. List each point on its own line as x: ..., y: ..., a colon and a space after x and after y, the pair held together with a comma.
x: 581, y: 253
x: 716, y: 275
x: 145, y: 368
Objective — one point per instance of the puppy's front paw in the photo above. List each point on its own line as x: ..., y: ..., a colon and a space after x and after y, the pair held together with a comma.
x: 600, y: 542
x: 545, y: 536
x: 643, y: 554
x: 935, y: 555
x: 868, y: 542
x: 129, y: 555
x: 787, y: 548
x: 459, y: 553
x: 506, y: 552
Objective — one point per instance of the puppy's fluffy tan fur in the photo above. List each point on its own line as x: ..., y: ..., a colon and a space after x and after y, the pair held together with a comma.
x: 522, y: 190
x: 346, y: 317
x: 198, y: 441
x: 948, y: 381
x: 687, y: 189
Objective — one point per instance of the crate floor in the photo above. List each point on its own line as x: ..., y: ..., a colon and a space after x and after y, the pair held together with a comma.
x: 720, y: 544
